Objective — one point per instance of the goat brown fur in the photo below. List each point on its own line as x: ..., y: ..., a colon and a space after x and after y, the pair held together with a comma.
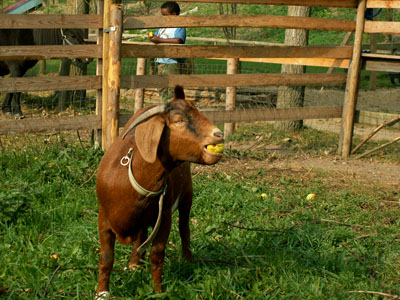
x: 163, y: 146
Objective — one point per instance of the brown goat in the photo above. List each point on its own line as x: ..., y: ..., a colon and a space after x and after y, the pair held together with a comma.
x: 159, y: 143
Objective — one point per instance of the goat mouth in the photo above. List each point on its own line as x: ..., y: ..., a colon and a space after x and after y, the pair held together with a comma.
x: 214, y: 149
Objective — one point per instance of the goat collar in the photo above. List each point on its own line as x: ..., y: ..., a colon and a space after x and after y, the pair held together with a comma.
x: 142, y: 191
x: 138, y: 188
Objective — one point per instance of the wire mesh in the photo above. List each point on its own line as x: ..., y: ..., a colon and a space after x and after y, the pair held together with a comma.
x: 60, y: 103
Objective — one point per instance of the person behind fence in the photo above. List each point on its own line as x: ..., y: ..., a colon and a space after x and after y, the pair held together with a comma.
x: 169, y: 66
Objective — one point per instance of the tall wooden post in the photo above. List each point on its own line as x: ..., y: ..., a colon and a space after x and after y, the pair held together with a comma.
x: 99, y: 71
x: 230, y: 101
x: 113, y: 80
x: 139, y: 93
x: 106, y: 26
x: 353, y: 78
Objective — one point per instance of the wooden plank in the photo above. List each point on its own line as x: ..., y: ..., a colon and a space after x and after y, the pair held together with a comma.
x: 383, y: 65
x: 381, y: 62
x: 49, y: 83
x: 227, y: 51
x: 381, y: 56
x: 272, y: 114
x: 278, y: 114
x: 374, y: 118
x: 316, y: 62
x: 382, y: 27
x: 252, y: 21
x: 323, y: 3
x: 49, y: 52
x: 222, y: 80
x: 36, y: 125
x: 50, y: 21
x: 380, y: 46
x: 383, y: 4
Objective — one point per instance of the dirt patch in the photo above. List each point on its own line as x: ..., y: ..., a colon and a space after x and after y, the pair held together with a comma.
x: 349, y: 172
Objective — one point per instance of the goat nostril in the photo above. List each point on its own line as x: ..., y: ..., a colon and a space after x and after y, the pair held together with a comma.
x: 218, y: 133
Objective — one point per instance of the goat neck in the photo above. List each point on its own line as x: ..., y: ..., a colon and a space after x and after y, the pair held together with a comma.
x: 151, y: 176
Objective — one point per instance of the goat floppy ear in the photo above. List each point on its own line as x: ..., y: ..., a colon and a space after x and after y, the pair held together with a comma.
x: 147, y: 137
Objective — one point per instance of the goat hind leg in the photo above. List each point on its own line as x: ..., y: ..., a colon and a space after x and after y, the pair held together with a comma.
x: 184, y: 230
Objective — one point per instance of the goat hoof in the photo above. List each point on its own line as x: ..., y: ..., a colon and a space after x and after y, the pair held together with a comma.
x: 132, y: 268
x: 188, y: 256
x: 102, y: 295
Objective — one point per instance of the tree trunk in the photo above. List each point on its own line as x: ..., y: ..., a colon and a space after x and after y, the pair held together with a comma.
x: 293, y: 96
x: 64, y: 97
x: 80, y: 7
x: 228, y: 9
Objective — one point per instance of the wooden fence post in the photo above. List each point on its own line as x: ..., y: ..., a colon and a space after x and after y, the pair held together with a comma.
x: 99, y: 71
x: 104, y: 83
x: 113, y: 80
x: 230, y: 102
x: 353, y: 79
x: 139, y: 93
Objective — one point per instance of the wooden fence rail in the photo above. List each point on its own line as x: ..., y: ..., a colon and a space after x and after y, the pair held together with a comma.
x: 253, y: 21
x: 49, y: 83
x: 210, y: 51
x: 51, y: 21
x: 237, y: 80
x: 50, y: 52
x: 107, y: 83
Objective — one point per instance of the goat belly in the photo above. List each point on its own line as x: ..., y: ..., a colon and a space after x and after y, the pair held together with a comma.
x: 127, y: 223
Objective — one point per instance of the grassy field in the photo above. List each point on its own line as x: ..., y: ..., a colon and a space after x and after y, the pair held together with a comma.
x: 255, y: 235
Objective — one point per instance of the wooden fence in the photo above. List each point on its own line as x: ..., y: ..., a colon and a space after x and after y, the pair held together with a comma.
x: 109, y: 51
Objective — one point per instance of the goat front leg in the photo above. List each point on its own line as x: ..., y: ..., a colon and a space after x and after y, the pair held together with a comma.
x: 136, y: 258
x: 107, y: 243
x: 185, y: 205
x: 157, y: 253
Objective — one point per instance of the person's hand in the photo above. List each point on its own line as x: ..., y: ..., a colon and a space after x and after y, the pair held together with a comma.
x: 153, y: 38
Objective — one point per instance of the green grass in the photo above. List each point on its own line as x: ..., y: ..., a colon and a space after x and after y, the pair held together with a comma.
x: 254, y: 233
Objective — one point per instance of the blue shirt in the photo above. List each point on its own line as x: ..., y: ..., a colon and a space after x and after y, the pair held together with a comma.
x: 171, y: 33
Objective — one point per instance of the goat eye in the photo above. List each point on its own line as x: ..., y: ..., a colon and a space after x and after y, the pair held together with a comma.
x: 179, y: 119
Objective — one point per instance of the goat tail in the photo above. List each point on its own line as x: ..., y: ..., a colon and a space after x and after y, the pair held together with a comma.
x: 179, y: 93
